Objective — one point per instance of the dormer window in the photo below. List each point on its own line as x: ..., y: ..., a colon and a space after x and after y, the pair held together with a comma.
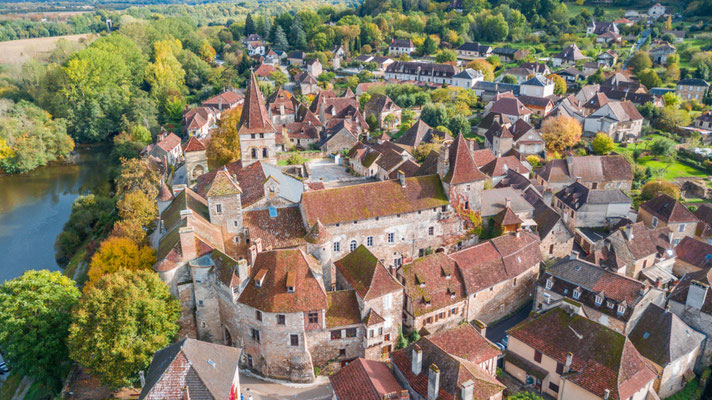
x: 550, y: 283
x: 609, y: 304
x: 260, y: 277
x: 599, y: 300
x: 577, y: 293
x: 621, y: 309
x: 290, y: 289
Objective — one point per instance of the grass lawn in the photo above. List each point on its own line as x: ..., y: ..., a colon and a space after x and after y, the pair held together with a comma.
x: 672, y: 170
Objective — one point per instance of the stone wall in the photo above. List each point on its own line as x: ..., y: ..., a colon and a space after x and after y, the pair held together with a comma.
x: 699, y: 321
x: 558, y: 243
x: 434, y: 320
x: 504, y: 298
x: 207, y: 307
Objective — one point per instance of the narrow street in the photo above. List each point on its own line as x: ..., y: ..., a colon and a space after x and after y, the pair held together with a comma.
x: 260, y: 389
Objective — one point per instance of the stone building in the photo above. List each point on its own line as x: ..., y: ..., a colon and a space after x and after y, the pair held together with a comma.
x: 365, y: 379
x: 594, y: 172
x: 591, y: 208
x: 692, y: 255
x: 167, y: 147
x: 663, y: 210
x: 381, y: 106
x: 692, y: 302
x: 257, y: 134
x: 196, y: 159
x: 555, y: 239
x: 462, y: 180
x: 613, y: 300
x: 568, y: 356
x: 282, y: 107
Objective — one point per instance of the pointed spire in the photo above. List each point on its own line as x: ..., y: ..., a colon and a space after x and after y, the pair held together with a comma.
x: 165, y: 193
x: 254, y: 118
x: 318, y: 234
x: 349, y: 93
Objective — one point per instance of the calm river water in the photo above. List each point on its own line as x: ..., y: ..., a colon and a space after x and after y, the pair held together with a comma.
x: 35, y: 206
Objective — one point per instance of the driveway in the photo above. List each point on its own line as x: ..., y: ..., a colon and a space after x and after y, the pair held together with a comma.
x: 497, y: 332
x: 260, y: 389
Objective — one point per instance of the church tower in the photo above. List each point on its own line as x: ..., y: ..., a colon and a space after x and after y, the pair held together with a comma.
x: 256, y: 132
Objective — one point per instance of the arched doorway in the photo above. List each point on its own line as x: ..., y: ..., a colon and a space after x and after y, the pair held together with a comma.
x: 228, y: 338
x: 197, y: 171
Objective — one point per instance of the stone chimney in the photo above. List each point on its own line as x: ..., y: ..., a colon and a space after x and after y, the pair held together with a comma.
x: 142, y: 377
x: 569, y: 162
x: 569, y: 361
x: 258, y: 244
x: 416, y: 363
x: 444, y: 160
x: 606, y: 394
x: 242, y: 269
x: 471, y: 145
x: 467, y: 391
x: 481, y: 327
x: 696, y: 295
x: 401, y: 178
x: 252, y: 255
x: 187, y: 243
x: 507, y: 203
x: 433, y: 382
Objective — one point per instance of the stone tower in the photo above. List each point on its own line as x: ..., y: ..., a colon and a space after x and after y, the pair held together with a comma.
x: 196, y: 159
x: 224, y: 202
x: 256, y: 132
x: 319, y: 245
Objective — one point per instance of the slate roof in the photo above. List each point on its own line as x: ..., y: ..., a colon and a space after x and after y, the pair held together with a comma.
x: 602, y: 358
x: 254, y: 117
x: 285, y: 230
x: 668, y: 209
x: 480, y: 48
x: 510, y: 106
x: 662, y: 337
x: 538, y: 80
x: 497, y: 260
x: 428, y: 286
x: 577, y: 195
x: 365, y: 379
x: 203, y: 380
x: 679, y: 293
x: 571, y: 53
x: 693, y: 82
x: 365, y: 273
x: 462, y: 166
x: 545, y: 217
x: 419, y: 133
x: 272, y: 295
x: 493, y: 201
x: 402, y: 43
x: 694, y: 252
x: 704, y: 215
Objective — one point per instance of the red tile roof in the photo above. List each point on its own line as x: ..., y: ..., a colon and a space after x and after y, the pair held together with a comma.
x: 254, y: 118
x: 365, y: 379
x: 500, y: 165
x: 365, y: 273
x: 283, y: 231
x: 428, y: 286
x: 223, y: 184
x: 465, y: 342
x: 668, y: 209
x: 272, y: 295
x: 193, y: 144
x: 462, y: 166
x: 169, y: 142
x: 370, y: 200
x: 695, y: 252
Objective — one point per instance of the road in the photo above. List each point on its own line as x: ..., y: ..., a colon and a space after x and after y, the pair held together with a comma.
x: 260, y: 389
x: 638, y: 45
x: 496, y: 333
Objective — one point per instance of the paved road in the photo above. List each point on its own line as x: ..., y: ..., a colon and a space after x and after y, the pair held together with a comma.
x: 496, y: 333
x: 265, y: 390
x: 638, y: 45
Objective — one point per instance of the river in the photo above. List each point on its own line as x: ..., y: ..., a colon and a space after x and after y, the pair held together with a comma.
x: 34, y: 207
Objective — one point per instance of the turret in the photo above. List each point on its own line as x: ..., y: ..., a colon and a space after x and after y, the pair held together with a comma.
x: 224, y: 202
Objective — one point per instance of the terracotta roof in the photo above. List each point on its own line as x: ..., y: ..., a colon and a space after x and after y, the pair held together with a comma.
x: 318, y: 234
x: 668, y: 209
x: 501, y: 165
x: 463, y: 168
x: 465, y: 342
x: 510, y: 106
x: 428, y: 286
x: 254, y: 118
x: 222, y: 185
x: 373, y: 318
x: 272, y: 295
x: 694, y: 252
x: 497, y: 260
x: 571, y: 53
x: 284, y: 230
x: 165, y: 194
x: 419, y: 133
x: 507, y: 217
x: 365, y: 379
x: 602, y: 358
x: 482, y: 156
x: 704, y: 215
x: 365, y: 273
x: 370, y: 200
x: 343, y: 309
x: 169, y: 142
x: 227, y: 97
x: 193, y: 144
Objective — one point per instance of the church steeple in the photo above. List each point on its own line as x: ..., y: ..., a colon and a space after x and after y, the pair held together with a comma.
x: 254, y: 118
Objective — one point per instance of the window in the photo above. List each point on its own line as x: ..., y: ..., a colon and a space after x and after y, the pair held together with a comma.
x: 337, y: 247
x: 336, y: 335
x: 255, y: 334
x: 609, y: 304
x: 294, y: 340
x: 390, y: 238
x: 681, y: 228
x: 313, y: 317
x: 559, y: 368
x: 369, y: 241
x: 675, y: 242
x: 551, y: 249
x: 431, y: 231
x: 258, y: 315
x: 351, y: 332
x: 549, y: 283
x: 577, y: 293
x: 370, y: 333
x: 254, y: 153
x: 599, y: 300
x: 218, y: 208
x: 621, y: 309
x: 342, y: 352
x: 252, y: 136
x: 281, y: 320
x: 380, y: 331
x: 537, y: 356
x: 553, y: 387
x: 200, y: 303
x: 387, y: 337
x: 655, y: 221
x: 454, y: 311
x: 290, y: 289
x: 203, y: 324
x: 467, y: 205
x: 264, y: 153
x: 514, y: 283
x: 387, y: 301
x: 262, y: 135
x: 352, y: 245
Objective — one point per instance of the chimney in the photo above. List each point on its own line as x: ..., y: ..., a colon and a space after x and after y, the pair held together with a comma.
x: 471, y: 145
x: 569, y: 361
x: 187, y: 242
x: 468, y: 390
x: 401, y: 178
x: 416, y: 364
x: 258, y: 244
x: 569, y: 162
x: 507, y: 203
x: 252, y: 255
x: 696, y: 295
x: 242, y: 269
x: 142, y: 377
x: 220, y: 103
x: 574, y: 255
x: 404, y: 395
x: 606, y: 394
x: 433, y: 382
x: 444, y: 160
x: 480, y: 326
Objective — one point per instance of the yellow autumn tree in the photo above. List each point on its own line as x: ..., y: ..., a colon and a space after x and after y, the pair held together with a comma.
x: 138, y: 206
x: 224, y: 146
x: 561, y: 132
x: 117, y: 254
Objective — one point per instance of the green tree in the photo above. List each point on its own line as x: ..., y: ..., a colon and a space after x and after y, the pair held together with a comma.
x: 280, y: 39
x: 119, y: 323
x: 671, y: 117
x: 650, y: 78
x: 662, y: 147
x: 496, y: 28
x: 459, y: 124
x: 652, y: 188
x: 279, y: 78
x: 509, y: 79
x: 249, y: 25
x: 640, y: 61
x: 602, y: 144
x: 429, y: 46
x: 435, y: 114
x: 446, y: 55
x: 35, y: 311
x: 525, y: 396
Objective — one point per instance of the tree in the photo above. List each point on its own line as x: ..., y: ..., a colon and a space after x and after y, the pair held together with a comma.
x: 224, y: 147
x: 640, y: 61
x: 279, y: 78
x: 509, y: 79
x: 459, y: 124
x: 280, y: 39
x: 117, y: 254
x: 650, y: 78
x: 672, y: 117
x: 484, y: 67
x: 429, y: 46
x: 602, y: 144
x: 525, y: 396
x: 559, y: 84
x: 249, y: 25
x: 662, y: 147
x: 130, y: 229
x: 651, y: 189
x: 138, y: 174
x: 35, y: 310
x: 434, y: 114
x: 672, y: 72
x: 446, y: 55
x: 495, y: 28
x: 561, y: 132
x: 119, y: 323
x: 138, y: 206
